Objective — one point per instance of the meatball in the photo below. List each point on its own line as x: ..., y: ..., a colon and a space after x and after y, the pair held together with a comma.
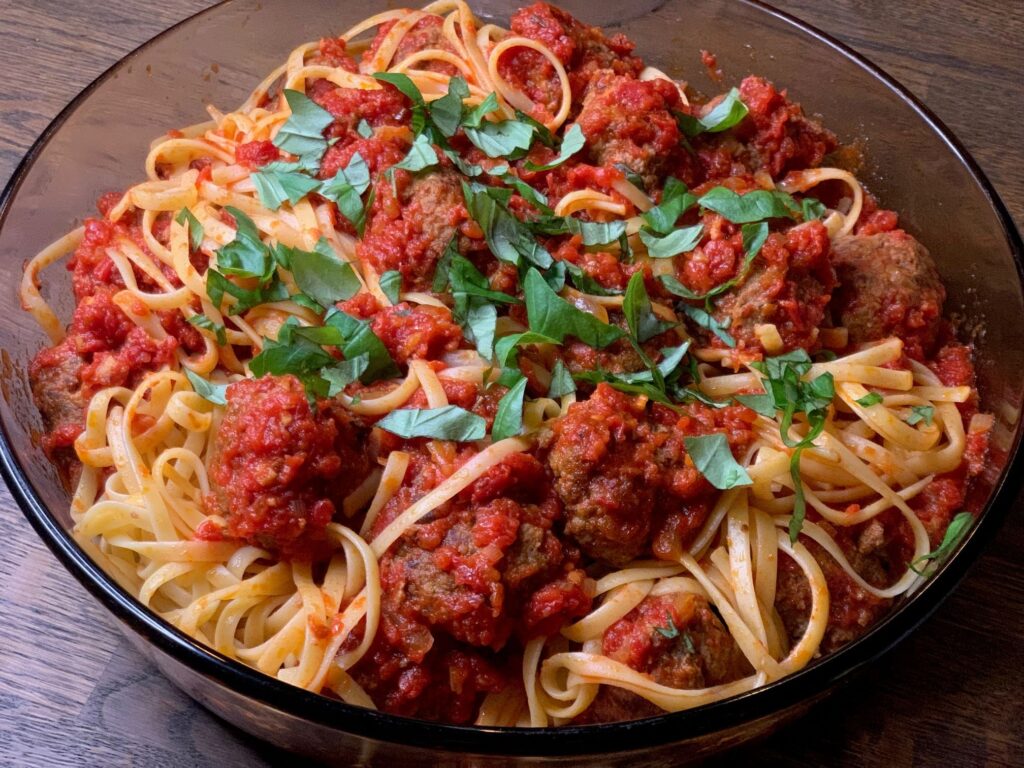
x: 409, y: 231
x: 628, y: 122
x: 621, y: 470
x: 780, y: 137
x: 279, y: 468
x: 789, y: 285
x: 57, y: 391
x: 888, y: 286
x: 416, y: 331
x: 486, y: 567
x: 675, y: 639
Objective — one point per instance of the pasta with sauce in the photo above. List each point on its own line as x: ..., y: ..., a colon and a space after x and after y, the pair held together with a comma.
x: 491, y: 376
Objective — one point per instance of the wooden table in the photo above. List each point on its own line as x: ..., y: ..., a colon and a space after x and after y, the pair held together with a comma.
x: 71, y: 690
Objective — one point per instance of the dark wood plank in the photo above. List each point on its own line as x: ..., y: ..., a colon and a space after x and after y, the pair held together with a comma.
x: 73, y: 692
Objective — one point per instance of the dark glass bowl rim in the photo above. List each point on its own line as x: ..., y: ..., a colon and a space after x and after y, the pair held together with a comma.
x: 803, y: 685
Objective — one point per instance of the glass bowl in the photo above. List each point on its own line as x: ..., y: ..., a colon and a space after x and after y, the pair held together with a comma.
x: 913, y: 164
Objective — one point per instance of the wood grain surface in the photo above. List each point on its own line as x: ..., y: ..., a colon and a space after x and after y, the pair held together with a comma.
x: 72, y: 692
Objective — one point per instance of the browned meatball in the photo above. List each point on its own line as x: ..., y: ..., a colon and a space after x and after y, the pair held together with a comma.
x: 675, y: 639
x: 410, y: 231
x: 888, y: 286
x: 621, y: 469
x: 57, y: 391
x: 628, y: 122
x: 279, y: 469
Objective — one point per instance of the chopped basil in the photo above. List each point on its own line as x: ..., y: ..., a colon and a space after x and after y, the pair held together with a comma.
x: 217, y: 285
x: 277, y: 182
x: 955, y: 532
x: 508, y: 420
x: 707, y: 321
x: 202, y: 321
x: 320, y: 274
x: 754, y: 237
x: 346, y: 188
x: 408, y: 89
x: 645, y: 388
x: 791, y: 394
x: 302, y: 133
x: 553, y: 316
x: 675, y: 201
x: 713, y: 458
x: 572, y: 142
x: 505, y: 349
x: 544, y: 134
x: 871, y: 398
x: 467, y: 280
x: 585, y: 283
x: 750, y: 207
x: 479, y: 324
x: 359, y: 339
x: 670, y: 630
x: 472, y: 296
x: 215, y: 393
x: 289, y: 353
x: 643, y: 324
x: 391, y: 285
x: 421, y: 155
x: 504, y: 138
x: 631, y: 176
x: 508, y: 238
x: 676, y: 242
x: 364, y: 129
x: 562, y: 383
x: 449, y: 422
x: 246, y: 255
x: 724, y: 115
x: 475, y: 117
x: 446, y: 112
x: 195, y: 229
x: 343, y: 373
x: 812, y: 209
x: 919, y: 413
x: 440, y: 280
x: 762, y: 404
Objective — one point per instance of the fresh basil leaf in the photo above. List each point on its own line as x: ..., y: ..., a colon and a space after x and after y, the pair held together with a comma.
x: 289, y: 354
x: 871, y: 398
x: 364, y: 129
x: 321, y: 275
x: 543, y: 133
x: 468, y: 280
x: 202, y: 321
x: 631, y: 176
x: 591, y: 232
x: 505, y: 138
x: 553, y: 316
x: 303, y: 132
x: 750, y: 207
x: 713, y: 458
x: 509, y: 239
x: 305, y: 301
x: 346, y: 188
x: 422, y: 155
x: 508, y: 419
x: 762, y: 404
x: 678, y: 241
x: 562, y: 383
x: 391, y: 285
x: 675, y: 201
x: 643, y: 324
x: 919, y: 413
x: 955, y: 532
x: 754, y: 237
x: 449, y: 422
x: 676, y: 288
x: 475, y: 117
x: 446, y: 112
x: 440, y: 281
x: 528, y: 193
x: 359, y: 339
x: 246, y: 255
x: 705, y: 320
x: 195, y: 229
x: 479, y: 325
x: 217, y: 285
x: 585, y: 283
x: 572, y: 142
x: 724, y: 115
x: 274, y: 185
x: 812, y: 209
x: 505, y: 349
x: 670, y: 630
x: 639, y: 387
x: 343, y: 373
x: 214, y: 393
x: 408, y: 89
